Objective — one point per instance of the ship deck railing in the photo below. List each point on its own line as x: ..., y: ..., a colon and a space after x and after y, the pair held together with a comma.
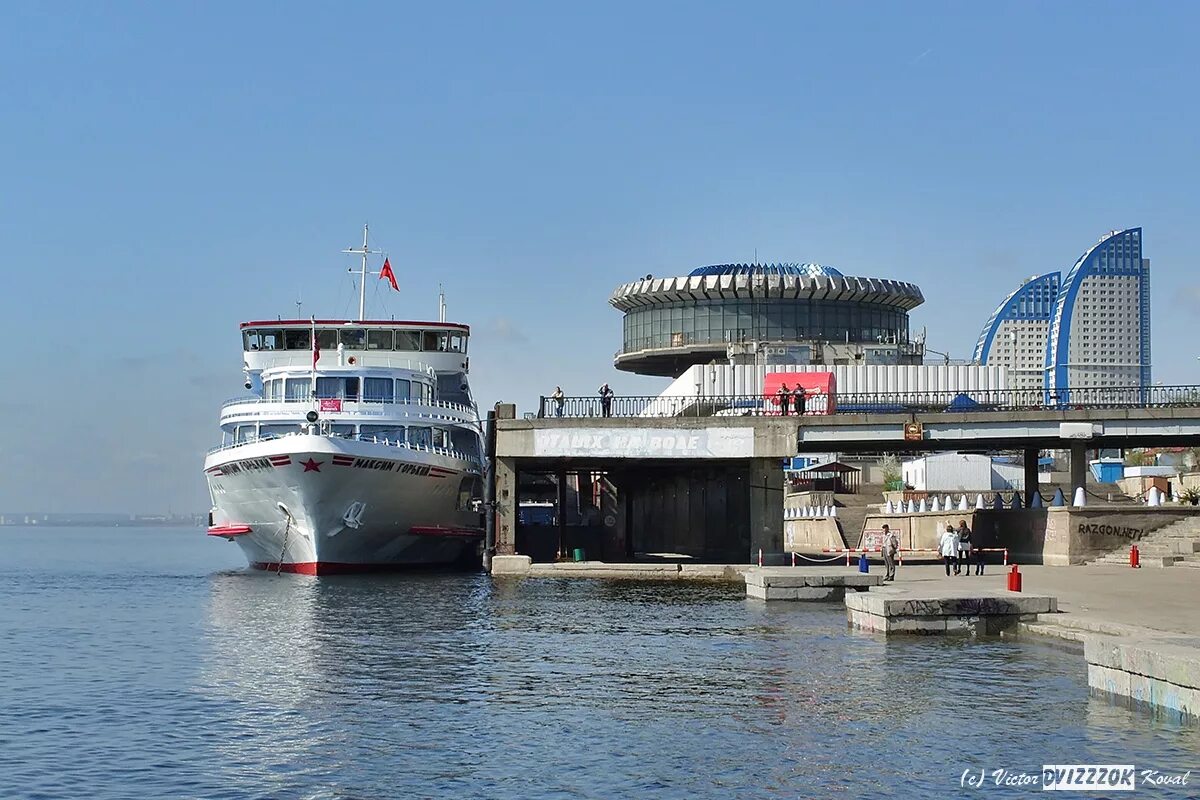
x: 354, y: 405
x: 449, y: 452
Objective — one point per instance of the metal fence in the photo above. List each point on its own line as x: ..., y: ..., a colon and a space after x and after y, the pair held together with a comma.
x: 875, y: 403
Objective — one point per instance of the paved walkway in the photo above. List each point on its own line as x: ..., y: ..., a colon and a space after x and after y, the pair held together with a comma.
x: 1164, y: 599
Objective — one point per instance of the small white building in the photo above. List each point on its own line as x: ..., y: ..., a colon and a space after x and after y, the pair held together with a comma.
x: 962, y: 472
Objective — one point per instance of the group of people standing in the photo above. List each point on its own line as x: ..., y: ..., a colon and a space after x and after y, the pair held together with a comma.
x: 955, y: 548
x: 788, y: 398
x: 606, y: 396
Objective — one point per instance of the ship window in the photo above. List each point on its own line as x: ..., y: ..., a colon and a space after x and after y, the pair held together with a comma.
x: 420, y: 392
x: 298, y: 389
x: 267, y: 431
x: 297, y: 339
x: 327, y: 339
x: 270, y: 340
x: 354, y: 339
x: 393, y: 433
x: 245, y: 433
x: 402, y: 391
x: 435, y: 341
x: 251, y: 340
x: 440, y: 439
x: 379, y: 340
x: 420, y: 437
x: 458, y: 343
x: 273, y: 389
x: 351, y: 388
x: 329, y: 387
x: 408, y: 340
x: 378, y: 390
x: 342, y: 430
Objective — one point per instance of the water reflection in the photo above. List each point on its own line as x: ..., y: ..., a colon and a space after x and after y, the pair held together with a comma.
x: 453, y: 684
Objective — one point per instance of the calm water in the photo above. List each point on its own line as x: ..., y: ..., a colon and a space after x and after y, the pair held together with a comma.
x: 140, y: 663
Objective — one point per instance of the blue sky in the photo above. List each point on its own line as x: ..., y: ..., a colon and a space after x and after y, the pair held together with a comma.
x: 170, y: 170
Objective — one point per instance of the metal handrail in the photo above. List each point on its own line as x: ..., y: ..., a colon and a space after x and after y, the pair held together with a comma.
x: 371, y: 438
x: 965, y: 401
x: 255, y: 400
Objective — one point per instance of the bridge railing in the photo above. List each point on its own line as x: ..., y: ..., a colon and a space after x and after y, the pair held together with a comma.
x: 874, y: 403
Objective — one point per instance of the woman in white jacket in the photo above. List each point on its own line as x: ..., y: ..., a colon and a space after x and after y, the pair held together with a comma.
x: 949, y: 548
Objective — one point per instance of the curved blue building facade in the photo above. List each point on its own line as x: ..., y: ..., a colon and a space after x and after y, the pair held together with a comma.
x: 1088, y: 328
x: 1015, y: 334
x: 1100, y: 329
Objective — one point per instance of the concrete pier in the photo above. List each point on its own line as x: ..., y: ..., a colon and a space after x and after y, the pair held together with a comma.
x: 970, y: 611
x: 807, y: 583
x: 1153, y: 671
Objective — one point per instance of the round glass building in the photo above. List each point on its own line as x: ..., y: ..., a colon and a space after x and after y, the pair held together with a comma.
x: 672, y: 323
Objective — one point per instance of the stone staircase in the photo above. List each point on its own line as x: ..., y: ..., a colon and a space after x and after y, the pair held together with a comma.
x: 1175, y: 545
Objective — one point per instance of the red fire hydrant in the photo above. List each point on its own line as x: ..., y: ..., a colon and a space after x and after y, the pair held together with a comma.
x: 1014, y: 580
x: 1135, y: 559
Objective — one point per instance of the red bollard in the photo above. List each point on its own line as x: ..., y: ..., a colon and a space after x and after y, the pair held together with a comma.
x: 1135, y: 559
x: 1014, y: 580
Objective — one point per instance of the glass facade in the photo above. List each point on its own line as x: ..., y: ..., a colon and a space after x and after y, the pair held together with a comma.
x: 715, y: 321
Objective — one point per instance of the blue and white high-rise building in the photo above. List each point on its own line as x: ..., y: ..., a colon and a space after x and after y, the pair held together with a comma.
x: 1015, y: 335
x: 1089, y: 328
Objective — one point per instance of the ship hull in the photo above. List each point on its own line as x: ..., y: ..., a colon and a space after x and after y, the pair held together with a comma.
x: 315, y: 504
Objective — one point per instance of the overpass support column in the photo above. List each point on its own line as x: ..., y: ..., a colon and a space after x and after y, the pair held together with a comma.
x: 1031, y: 474
x: 560, y: 509
x: 1078, y: 465
x: 506, y: 506
x: 766, y: 510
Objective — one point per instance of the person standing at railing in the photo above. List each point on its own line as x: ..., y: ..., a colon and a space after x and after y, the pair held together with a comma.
x: 558, y: 399
x: 784, y: 398
x: 800, y: 399
x: 606, y: 396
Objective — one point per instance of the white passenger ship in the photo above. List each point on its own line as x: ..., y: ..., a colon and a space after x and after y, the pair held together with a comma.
x: 359, y: 448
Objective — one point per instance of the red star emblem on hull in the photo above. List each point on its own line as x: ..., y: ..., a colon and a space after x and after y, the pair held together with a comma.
x: 312, y: 466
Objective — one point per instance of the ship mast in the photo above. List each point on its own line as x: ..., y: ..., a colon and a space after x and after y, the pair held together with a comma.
x: 363, y: 251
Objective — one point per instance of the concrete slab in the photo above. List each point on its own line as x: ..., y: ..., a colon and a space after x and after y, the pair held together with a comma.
x: 1160, y: 672
x: 902, y: 602
x: 807, y: 583
x: 511, y: 565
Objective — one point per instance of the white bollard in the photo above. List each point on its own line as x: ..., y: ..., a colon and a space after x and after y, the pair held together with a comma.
x: 1154, y: 498
x: 912, y: 507
x: 922, y: 508
x: 978, y: 502
x: 945, y: 500
x: 887, y: 508
x: 1080, y: 498
x: 832, y: 509
x: 936, y: 505
x: 962, y: 503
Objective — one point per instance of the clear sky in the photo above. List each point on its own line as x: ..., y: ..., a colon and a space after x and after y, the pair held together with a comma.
x: 168, y: 170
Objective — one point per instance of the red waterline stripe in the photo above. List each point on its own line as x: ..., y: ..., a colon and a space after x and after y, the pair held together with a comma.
x: 334, y: 567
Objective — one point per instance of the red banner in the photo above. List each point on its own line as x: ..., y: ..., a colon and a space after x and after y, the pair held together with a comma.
x: 331, y: 404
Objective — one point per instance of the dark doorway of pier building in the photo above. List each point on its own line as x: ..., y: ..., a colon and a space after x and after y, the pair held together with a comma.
x: 698, y: 511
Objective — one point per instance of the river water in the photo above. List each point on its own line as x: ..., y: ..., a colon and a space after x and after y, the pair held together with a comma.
x: 142, y: 663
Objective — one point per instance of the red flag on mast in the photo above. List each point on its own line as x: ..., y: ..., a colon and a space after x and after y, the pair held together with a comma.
x: 316, y: 348
x: 386, y: 272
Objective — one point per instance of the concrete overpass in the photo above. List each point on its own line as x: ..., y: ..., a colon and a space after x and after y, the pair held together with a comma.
x: 712, y: 486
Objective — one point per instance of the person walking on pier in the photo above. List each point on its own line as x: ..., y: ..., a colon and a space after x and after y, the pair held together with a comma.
x: 949, y: 548
x: 784, y: 397
x: 558, y: 399
x: 889, y: 547
x: 964, y: 547
x: 798, y: 396
x: 606, y: 396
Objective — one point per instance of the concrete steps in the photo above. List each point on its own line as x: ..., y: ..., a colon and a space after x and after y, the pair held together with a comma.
x: 1177, y: 544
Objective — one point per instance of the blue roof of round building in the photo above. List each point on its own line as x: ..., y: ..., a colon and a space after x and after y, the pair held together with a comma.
x: 803, y: 270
